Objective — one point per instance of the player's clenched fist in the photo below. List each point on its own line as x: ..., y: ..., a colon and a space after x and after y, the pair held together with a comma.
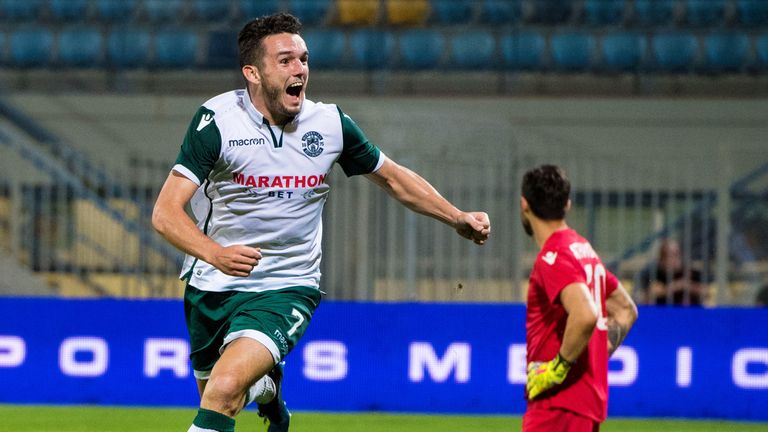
x: 475, y: 226
x: 236, y: 260
x: 542, y: 376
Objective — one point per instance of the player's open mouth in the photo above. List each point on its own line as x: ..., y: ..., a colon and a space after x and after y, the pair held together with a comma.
x: 295, y: 89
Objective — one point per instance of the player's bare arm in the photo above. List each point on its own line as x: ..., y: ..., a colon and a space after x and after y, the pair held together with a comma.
x: 622, y: 314
x: 172, y: 222
x: 582, y: 319
x: 417, y: 194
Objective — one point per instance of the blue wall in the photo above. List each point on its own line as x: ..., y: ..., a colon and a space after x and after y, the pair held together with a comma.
x: 392, y: 357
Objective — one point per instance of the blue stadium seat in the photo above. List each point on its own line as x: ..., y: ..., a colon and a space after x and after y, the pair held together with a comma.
x: 761, y: 48
x: 372, y: 49
x: 116, y: 10
x: 163, y: 10
x: 2, y: 48
x: 210, y: 10
x: 474, y: 49
x: 68, y: 10
x: 222, y: 50
x: 31, y: 47
x: 572, y: 50
x: 451, y: 12
x: 704, y: 13
x: 128, y: 48
x: 81, y: 47
x: 654, y: 13
x: 498, y: 12
x: 310, y: 12
x: 21, y: 10
x: 250, y: 9
x: 524, y: 50
x: 550, y: 11
x: 421, y: 49
x: 674, y: 51
x: 752, y: 13
x: 175, y: 49
x: 726, y: 51
x: 326, y: 48
x: 603, y: 13
x: 623, y: 51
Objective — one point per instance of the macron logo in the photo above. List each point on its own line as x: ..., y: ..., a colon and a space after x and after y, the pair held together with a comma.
x: 550, y: 257
x: 206, y: 119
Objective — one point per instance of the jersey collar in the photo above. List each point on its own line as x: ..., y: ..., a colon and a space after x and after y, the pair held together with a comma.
x: 258, y: 117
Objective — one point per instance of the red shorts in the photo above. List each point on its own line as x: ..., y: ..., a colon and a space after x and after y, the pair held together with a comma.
x: 557, y: 420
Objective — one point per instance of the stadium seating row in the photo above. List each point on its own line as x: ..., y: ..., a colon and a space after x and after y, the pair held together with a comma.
x: 654, y: 13
x: 539, y: 50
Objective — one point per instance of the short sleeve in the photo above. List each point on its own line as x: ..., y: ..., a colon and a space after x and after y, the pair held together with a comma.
x: 611, y: 283
x: 202, y: 145
x: 557, y: 272
x: 359, y: 156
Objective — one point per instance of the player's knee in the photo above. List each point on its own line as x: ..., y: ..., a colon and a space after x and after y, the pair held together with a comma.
x: 225, y: 394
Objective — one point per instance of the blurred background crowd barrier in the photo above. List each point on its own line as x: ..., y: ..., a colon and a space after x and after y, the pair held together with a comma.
x: 95, y: 96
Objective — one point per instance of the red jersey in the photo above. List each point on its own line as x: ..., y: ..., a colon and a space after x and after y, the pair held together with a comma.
x: 568, y: 258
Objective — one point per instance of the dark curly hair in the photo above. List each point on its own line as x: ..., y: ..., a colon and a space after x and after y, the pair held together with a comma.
x: 547, y: 190
x: 251, y: 50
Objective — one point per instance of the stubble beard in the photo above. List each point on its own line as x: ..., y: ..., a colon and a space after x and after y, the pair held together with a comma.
x: 275, y: 105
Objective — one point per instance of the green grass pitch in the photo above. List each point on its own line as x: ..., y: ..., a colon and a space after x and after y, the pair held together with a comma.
x: 24, y: 418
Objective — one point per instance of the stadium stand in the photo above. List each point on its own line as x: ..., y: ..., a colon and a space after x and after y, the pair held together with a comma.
x: 623, y: 51
x: 500, y: 12
x: 210, y: 10
x: 726, y: 51
x: 451, y: 12
x: 550, y: 12
x: 31, y: 47
x: 654, y: 13
x: 358, y: 12
x: 421, y: 49
x: 705, y: 13
x: 474, y: 49
x: 371, y: 49
x: 21, y: 10
x: 752, y: 13
x: 68, y: 10
x: 80, y: 47
x: 674, y: 51
x: 761, y: 47
x: 603, y: 13
x: 407, y: 12
x: 249, y: 9
x: 163, y: 11
x: 175, y: 48
x: 310, y: 12
x: 524, y: 50
x: 572, y: 51
x: 3, y: 48
x: 222, y: 50
x: 328, y: 47
x: 128, y: 48
x: 115, y: 11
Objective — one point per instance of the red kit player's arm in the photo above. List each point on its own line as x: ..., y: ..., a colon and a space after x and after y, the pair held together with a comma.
x: 582, y: 318
x: 622, y: 314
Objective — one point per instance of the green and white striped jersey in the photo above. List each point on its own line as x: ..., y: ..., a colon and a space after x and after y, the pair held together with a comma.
x: 265, y: 186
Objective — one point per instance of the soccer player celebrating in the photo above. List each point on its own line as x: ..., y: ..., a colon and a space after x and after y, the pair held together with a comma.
x: 577, y: 314
x: 253, y: 165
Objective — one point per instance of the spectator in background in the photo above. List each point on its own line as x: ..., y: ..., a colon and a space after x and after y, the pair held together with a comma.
x: 670, y: 282
x: 762, y: 297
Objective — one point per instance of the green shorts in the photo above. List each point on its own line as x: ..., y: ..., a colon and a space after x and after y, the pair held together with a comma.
x: 276, y: 318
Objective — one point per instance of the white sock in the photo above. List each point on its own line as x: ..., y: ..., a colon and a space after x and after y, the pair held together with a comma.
x: 262, y: 392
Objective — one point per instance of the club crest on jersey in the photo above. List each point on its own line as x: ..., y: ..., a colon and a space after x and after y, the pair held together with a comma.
x: 312, y: 144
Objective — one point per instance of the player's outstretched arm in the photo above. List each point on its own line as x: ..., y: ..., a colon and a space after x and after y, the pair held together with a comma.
x: 622, y: 314
x: 172, y: 222
x: 418, y: 195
